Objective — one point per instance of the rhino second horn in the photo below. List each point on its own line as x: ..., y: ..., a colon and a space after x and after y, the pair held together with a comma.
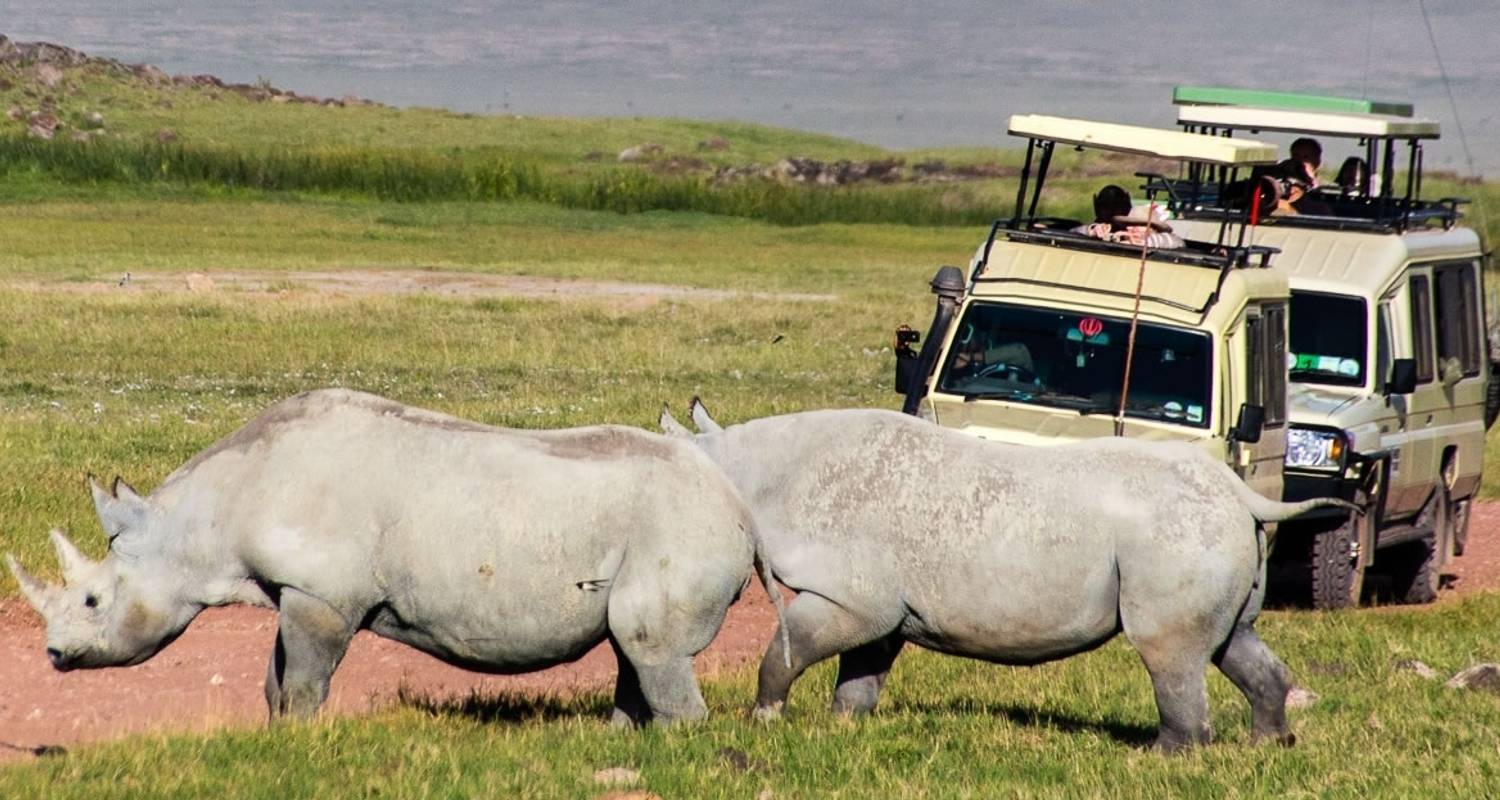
x: 73, y: 562
x: 35, y: 592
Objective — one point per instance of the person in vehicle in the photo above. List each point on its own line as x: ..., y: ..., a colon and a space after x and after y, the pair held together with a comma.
x: 1117, y: 220
x: 1306, y: 158
x: 1353, y: 174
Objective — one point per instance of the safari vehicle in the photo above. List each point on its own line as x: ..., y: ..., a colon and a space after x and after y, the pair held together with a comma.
x: 1390, y: 391
x: 1055, y: 336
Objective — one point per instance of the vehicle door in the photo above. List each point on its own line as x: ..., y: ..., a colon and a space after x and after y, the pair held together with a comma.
x: 1459, y: 368
x: 1413, y: 460
x: 1260, y: 463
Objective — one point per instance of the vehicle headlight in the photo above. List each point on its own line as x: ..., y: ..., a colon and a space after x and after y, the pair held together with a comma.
x: 1313, y: 449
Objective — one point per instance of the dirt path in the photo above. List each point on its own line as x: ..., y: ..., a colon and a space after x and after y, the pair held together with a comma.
x: 405, y: 282
x: 211, y: 677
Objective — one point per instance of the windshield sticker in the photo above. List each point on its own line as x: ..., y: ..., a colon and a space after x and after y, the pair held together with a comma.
x: 1349, y: 367
x: 1090, y: 327
x: 1172, y: 410
x: 1315, y: 363
x: 1194, y: 413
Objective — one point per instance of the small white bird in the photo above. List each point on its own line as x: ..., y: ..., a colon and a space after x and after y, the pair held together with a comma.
x: 125, y: 281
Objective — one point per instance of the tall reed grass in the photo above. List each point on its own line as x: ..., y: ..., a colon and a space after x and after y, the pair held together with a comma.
x: 411, y: 175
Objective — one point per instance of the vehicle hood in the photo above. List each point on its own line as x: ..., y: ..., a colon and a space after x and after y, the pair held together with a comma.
x: 1316, y: 405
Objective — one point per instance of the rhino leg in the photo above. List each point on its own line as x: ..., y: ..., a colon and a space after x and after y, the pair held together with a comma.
x: 631, y: 709
x: 862, y: 674
x: 310, y: 642
x: 658, y: 632
x: 816, y: 629
x: 1264, y: 680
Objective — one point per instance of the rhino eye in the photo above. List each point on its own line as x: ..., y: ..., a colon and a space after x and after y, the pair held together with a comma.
x: 91, y: 601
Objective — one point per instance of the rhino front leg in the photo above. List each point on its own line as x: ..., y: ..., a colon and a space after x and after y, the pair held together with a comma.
x: 862, y: 674
x: 310, y: 642
x: 816, y: 629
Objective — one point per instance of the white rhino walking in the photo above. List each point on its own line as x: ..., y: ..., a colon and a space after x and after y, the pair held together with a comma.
x: 895, y: 530
x: 497, y: 550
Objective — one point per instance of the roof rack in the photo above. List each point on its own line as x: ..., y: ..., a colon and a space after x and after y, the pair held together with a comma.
x: 1291, y: 101
x: 1222, y: 156
x: 1320, y: 123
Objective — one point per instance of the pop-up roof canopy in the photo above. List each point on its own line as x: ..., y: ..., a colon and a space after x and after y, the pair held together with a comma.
x: 1144, y: 141
x: 1286, y: 101
x: 1352, y: 126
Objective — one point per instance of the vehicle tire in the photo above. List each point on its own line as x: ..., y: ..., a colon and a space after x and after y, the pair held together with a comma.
x: 1418, y: 566
x: 1337, y: 576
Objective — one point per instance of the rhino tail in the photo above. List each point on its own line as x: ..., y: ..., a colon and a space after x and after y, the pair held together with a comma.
x: 1267, y: 510
x: 768, y: 580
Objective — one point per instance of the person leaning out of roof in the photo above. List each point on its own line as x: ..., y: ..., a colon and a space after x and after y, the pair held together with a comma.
x: 1116, y: 220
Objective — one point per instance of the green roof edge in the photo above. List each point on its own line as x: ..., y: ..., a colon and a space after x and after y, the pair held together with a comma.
x: 1293, y: 101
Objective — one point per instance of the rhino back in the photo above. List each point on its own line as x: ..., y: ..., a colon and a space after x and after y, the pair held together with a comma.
x: 475, y: 542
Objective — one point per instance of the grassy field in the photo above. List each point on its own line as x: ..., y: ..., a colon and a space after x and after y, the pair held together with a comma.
x: 947, y: 728
x: 95, y: 378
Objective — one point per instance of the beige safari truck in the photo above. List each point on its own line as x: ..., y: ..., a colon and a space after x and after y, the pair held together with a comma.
x: 1055, y: 336
x: 1390, y: 392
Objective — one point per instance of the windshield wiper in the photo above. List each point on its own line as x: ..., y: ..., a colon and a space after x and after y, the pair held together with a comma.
x: 1082, y: 405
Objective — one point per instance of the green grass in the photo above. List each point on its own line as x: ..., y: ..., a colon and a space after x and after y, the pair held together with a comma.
x: 947, y: 728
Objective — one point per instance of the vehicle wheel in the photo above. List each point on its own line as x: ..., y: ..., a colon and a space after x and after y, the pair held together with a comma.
x: 1338, y: 577
x: 1460, y: 518
x: 1492, y: 398
x: 1418, y: 566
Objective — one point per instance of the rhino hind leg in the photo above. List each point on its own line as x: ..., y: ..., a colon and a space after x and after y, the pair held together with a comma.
x: 311, y: 640
x: 1264, y: 680
x: 862, y: 674
x: 1181, y: 700
x: 631, y: 709
x: 816, y: 628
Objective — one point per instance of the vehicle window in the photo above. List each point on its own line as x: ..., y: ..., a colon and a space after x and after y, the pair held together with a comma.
x: 1421, y: 327
x: 1457, y: 314
x: 1077, y: 361
x: 1255, y: 359
x: 1275, y: 399
x: 1328, y: 339
x: 1382, y: 346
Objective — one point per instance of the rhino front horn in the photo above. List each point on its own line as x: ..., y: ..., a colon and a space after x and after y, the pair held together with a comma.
x: 73, y: 562
x: 33, y: 590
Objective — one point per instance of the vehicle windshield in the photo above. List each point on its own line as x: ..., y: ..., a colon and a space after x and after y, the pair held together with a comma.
x: 1327, y: 339
x: 1077, y: 361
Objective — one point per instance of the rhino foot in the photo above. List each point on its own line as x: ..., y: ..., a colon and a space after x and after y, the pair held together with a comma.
x: 767, y: 714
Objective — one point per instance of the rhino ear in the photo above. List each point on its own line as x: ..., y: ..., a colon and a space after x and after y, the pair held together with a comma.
x: 118, y: 510
x: 670, y: 426
x: 702, y: 419
x: 35, y: 592
x: 72, y: 561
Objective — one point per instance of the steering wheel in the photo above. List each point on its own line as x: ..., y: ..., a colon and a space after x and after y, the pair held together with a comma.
x: 1011, y: 372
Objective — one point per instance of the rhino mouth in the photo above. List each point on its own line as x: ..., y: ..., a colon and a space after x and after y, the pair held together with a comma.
x: 61, y: 661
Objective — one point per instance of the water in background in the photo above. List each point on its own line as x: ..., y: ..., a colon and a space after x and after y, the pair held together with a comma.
x: 891, y: 72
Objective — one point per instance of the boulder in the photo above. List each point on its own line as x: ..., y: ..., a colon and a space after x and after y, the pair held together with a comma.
x: 152, y: 74
x: 617, y: 776
x: 640, y: 152
x: 93, y: 121
x: 1300, y: 697
x: 49, y: 75
x: 198, y: 282
x: 1421, y: 669
x: 16, y: 113
x: 1482, y: 677
x: 42, y: 124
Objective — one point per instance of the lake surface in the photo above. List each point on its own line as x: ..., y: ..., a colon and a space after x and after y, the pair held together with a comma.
x: 900, y: 74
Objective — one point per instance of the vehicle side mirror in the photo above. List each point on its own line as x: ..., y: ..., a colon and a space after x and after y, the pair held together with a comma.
x: 1251, y: 422
x: 908, y: 360
x: 1403, y: 377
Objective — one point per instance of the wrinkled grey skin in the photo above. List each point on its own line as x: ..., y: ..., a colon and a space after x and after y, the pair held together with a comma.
x: 895, y: 530
x: 496, y: 550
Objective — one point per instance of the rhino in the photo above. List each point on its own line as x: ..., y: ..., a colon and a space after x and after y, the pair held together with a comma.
x: 496, y: 550
x: 894, y: 530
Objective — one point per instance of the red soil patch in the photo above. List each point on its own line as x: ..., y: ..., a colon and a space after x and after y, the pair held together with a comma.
x: 212, y: 676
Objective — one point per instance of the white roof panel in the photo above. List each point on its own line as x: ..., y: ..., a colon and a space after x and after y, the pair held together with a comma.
x: 1322, y: 123
x: 1146, y: 141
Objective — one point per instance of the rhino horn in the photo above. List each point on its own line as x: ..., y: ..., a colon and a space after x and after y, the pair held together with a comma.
x: 670, y: 426
x: 702, y: 419
x: 35, y: 592
x: 73, y: 562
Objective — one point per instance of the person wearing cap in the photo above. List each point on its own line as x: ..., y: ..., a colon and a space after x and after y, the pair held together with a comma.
x: 1117, y: 220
